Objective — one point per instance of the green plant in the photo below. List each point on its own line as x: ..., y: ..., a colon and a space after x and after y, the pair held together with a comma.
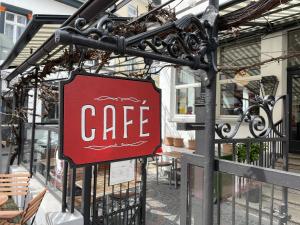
x: 253, y: 153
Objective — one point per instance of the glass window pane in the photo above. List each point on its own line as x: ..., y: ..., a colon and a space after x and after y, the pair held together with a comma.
x: 21, y: 19
x: 293, y: 47
x: 10, y: 16
x: 238, y: 96
x: 56, y: 165
x: 187, y: 76
x: 132, y: 11
x: 240, y: 55
x: 195, y: 209
x: 9, y: 31
x: 20, y: 30
x: 185, y: 100
x: 40, y: 153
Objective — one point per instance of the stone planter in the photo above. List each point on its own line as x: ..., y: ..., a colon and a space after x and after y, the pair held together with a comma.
x: 178, y: 142
x: 192, y: 144
x: 169, y: 141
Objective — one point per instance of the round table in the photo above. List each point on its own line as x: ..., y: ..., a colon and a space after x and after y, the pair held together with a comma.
x: 3, y: 199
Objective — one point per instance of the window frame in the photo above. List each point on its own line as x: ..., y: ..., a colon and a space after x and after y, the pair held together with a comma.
x: 218, y: 98
x: 220, y: 82
x: 15, y: 24
x: 133, y: 8
x: 175, y: 117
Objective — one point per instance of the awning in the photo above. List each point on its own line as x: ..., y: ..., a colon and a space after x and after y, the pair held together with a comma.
x: 40, y: 28
x: 283, y: 16
x: 43, y: 41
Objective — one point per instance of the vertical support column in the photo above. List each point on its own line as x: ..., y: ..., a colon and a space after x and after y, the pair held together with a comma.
x: 1, y: 121
x: 65, y: 187
x: 21, y: 126
x: 200, y: 116
x: 33, y: 123
x: 86, y: 195
x: 142, y: 216
x: 48, y: 156
x: 286, y: 147
x: 209, y: 146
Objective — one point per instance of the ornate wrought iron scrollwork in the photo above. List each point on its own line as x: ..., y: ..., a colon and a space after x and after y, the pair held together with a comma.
x: 187, y: 40
x: 260, y: 125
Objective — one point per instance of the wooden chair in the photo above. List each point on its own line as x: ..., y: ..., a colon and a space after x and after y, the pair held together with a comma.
x: 160, y: 164
x: 15, y: 184
x: 26, y: 215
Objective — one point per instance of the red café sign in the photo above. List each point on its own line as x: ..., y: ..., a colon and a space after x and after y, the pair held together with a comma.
x: 108, y: 118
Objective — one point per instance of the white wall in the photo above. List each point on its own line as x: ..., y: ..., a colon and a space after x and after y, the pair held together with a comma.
x: 43, y: 6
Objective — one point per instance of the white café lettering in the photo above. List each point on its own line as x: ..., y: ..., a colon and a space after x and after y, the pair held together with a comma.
x: 83, y: 112
x: 110, y: 109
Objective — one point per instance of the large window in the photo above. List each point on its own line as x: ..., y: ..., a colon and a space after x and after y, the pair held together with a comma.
x: 14, y: 25
x: 234, y: 95
x: 294, y: 47
x: 186, y: 82
x: 238, y: 89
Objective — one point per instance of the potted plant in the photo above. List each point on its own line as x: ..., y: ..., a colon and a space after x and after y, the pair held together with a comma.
x: 178, y: 142
x: 254, y: 150
x: 169, y: 141
x: 192, y: 144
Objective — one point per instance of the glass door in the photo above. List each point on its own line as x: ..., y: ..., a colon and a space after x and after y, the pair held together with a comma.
x: 295, y: 113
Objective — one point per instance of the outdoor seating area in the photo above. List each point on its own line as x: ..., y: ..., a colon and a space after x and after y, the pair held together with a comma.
x: 14, y: 186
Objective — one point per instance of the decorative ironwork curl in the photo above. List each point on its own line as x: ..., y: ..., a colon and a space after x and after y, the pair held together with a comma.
x: 187, y: 40
x: 259, y: 126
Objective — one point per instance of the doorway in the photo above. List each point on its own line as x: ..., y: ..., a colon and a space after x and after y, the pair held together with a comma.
x: 294, y: 93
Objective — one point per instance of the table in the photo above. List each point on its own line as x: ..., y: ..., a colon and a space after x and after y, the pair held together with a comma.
x: 175, y: 155
x: 3, y: 199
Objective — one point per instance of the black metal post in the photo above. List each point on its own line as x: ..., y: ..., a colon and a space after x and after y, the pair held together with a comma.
x: 21, y: 127
x: 33, y: 123
x: 73, y: 190
x: 86, y: 195
x: 48, y: 164
x: 142, y: 216
x: 65, y: 187
x: 200, y: 115
x: 286, y: 147
x: 209, y: 146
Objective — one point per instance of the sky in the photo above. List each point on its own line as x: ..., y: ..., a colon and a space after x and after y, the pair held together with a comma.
x: 191, y: 6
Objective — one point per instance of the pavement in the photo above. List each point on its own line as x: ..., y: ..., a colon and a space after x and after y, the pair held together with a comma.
x: 163, y: 207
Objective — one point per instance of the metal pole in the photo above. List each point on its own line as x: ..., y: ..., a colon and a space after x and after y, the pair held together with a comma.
x: 65, y: 187
x: 209, y: 146
x: 21, y: 127
x: 283, y: 209
x: 33, y: 123
x: 143, y: 192
x: 1, y: 122
x: 200, y: 115
x: 86, y: 195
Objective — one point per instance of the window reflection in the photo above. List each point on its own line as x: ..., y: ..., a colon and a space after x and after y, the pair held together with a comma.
x: 235, y: 96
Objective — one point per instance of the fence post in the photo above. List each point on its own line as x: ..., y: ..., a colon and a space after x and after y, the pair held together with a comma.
x: 209, y: 150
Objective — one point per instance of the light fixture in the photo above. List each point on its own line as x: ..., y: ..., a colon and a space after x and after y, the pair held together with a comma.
x: 269, y: 85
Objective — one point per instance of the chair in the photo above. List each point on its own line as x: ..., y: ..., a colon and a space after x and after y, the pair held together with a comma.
x: 14, y: 184
x: 160, y: 164
x: 26, y: 215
